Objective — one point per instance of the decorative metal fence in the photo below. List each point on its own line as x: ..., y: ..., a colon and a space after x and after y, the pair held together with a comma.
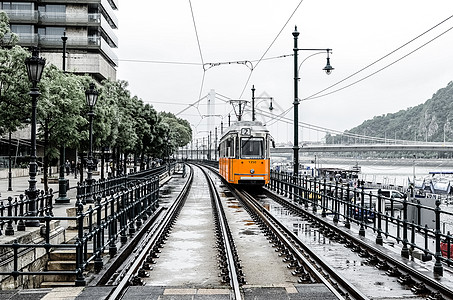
x: 424, y: 230
x: 122, y: 204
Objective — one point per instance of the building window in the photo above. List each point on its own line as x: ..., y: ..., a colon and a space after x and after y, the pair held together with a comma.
x: 57, y: 31
x: 17, y: 6
x: 22, y: 29
x: 52, y: 8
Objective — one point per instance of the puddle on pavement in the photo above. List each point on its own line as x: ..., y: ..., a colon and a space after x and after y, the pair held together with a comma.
x: 228, y: 194
x: 248, y: 232
x: 167, y: 190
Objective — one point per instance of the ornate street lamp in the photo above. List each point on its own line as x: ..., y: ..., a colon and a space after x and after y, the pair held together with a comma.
x: 62, y: 182
x: 35, y: 66
x: 259, y: 98
x: 91, y: 97
x: 328, y: 69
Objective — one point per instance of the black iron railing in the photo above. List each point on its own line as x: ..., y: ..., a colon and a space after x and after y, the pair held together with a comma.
x: 423, y: 230
x: 12, y: 211
x: 120, y: 208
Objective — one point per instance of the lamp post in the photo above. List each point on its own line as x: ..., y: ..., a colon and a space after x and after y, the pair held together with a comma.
x: 328, y: 69
x: 259, y: 98
x: 64, y: 38
x: 10, y: 173
x: 91, y: 97
x: 35, y: 66
x: 62, y: 196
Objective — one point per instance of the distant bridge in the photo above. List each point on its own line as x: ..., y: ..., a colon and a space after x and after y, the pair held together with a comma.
x: 367, y: 147
x: 203, y: 153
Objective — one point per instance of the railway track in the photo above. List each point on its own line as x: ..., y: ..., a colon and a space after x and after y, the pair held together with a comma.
x: 215, y: 237
x: 139, y: 263
x: 308, y: 266
x: 405, y: 272
x: 136, y: 270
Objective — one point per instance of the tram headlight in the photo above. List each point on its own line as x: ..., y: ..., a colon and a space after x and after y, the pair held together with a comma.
x: 252, y: 171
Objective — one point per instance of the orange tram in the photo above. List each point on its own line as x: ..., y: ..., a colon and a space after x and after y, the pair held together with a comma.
x: 244, y: 153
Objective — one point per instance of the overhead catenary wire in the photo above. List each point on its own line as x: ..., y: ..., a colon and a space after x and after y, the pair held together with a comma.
x: 318, y: 94
x: 192, y: 105
x: 199, y: 48
x: 161, y: 62
x: 197, y: 64
x: 268, y: 48
x: 315, y: 95
x: 282, y: 117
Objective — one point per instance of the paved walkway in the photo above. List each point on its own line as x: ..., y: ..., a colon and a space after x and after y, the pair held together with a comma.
x: 20, y: 184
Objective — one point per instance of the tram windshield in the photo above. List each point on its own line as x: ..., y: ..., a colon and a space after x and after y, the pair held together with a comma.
x: 252, y: 147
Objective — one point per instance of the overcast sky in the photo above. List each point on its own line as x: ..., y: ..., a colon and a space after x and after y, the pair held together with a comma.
x: 161, y: 57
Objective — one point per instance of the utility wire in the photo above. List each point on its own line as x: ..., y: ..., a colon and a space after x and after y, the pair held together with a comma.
x: 200, y: 64
x: 282, y: 117
x: 192, y: 105
x: 160, y: 62
x: 314, y: 96
x: 374, y: 73
x: 199, y: 48
x: 268, y: 48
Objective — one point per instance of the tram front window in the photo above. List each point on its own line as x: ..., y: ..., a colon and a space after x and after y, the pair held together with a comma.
x: 252, y: 148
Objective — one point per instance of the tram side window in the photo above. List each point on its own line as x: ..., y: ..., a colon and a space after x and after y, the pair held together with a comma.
x: 229, y: 148
x: 221, y: 150
x: 252, y: 148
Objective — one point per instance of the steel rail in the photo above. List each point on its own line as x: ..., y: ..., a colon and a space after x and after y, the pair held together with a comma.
x: 401, y: 265
x: 151, y: 240
x: 234, y: 282
x: 291, y: 241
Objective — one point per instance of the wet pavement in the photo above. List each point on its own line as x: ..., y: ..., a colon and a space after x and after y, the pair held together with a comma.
x: 192, y: 272
x: 349, y: 264
x: 189, y: 257
x: 261, y: 264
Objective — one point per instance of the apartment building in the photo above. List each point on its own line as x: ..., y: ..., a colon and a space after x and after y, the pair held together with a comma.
x: 89, y: 26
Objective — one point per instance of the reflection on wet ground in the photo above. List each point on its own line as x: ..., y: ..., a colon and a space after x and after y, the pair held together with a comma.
x: 341, y: 258
x: 188, y: 257
x: 261, y: 264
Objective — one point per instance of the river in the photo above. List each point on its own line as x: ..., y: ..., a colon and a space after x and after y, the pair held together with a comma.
x: 384, y: 171
x: 387, y: 172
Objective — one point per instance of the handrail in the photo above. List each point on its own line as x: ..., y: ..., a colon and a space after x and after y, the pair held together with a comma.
x: 398, y: 220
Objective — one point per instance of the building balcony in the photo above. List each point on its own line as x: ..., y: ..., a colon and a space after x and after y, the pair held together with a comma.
x: 91, y: 63
x: 26, y: 39
x: 79, y: 43
x: 73, y: 42
x: 20, y: 16
x: 109, y: 13
x: 108, y: 52
x: 113, y: 3
x: 68, y: 19
x: 108, y: 33
x: 71, y: 1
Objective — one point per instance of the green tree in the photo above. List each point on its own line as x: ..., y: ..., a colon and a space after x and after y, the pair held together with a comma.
x: 14, y: 86
x: 59, y: 106
x: 7, y: 38
x: 15, y: 104
x: 145, y: 129
x: 123, y: 122
x: 180, y: 131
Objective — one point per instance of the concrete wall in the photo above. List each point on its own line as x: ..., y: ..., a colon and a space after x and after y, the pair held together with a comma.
x: 15, y: 173
x: 21, y: 172
x: 31, y: 259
